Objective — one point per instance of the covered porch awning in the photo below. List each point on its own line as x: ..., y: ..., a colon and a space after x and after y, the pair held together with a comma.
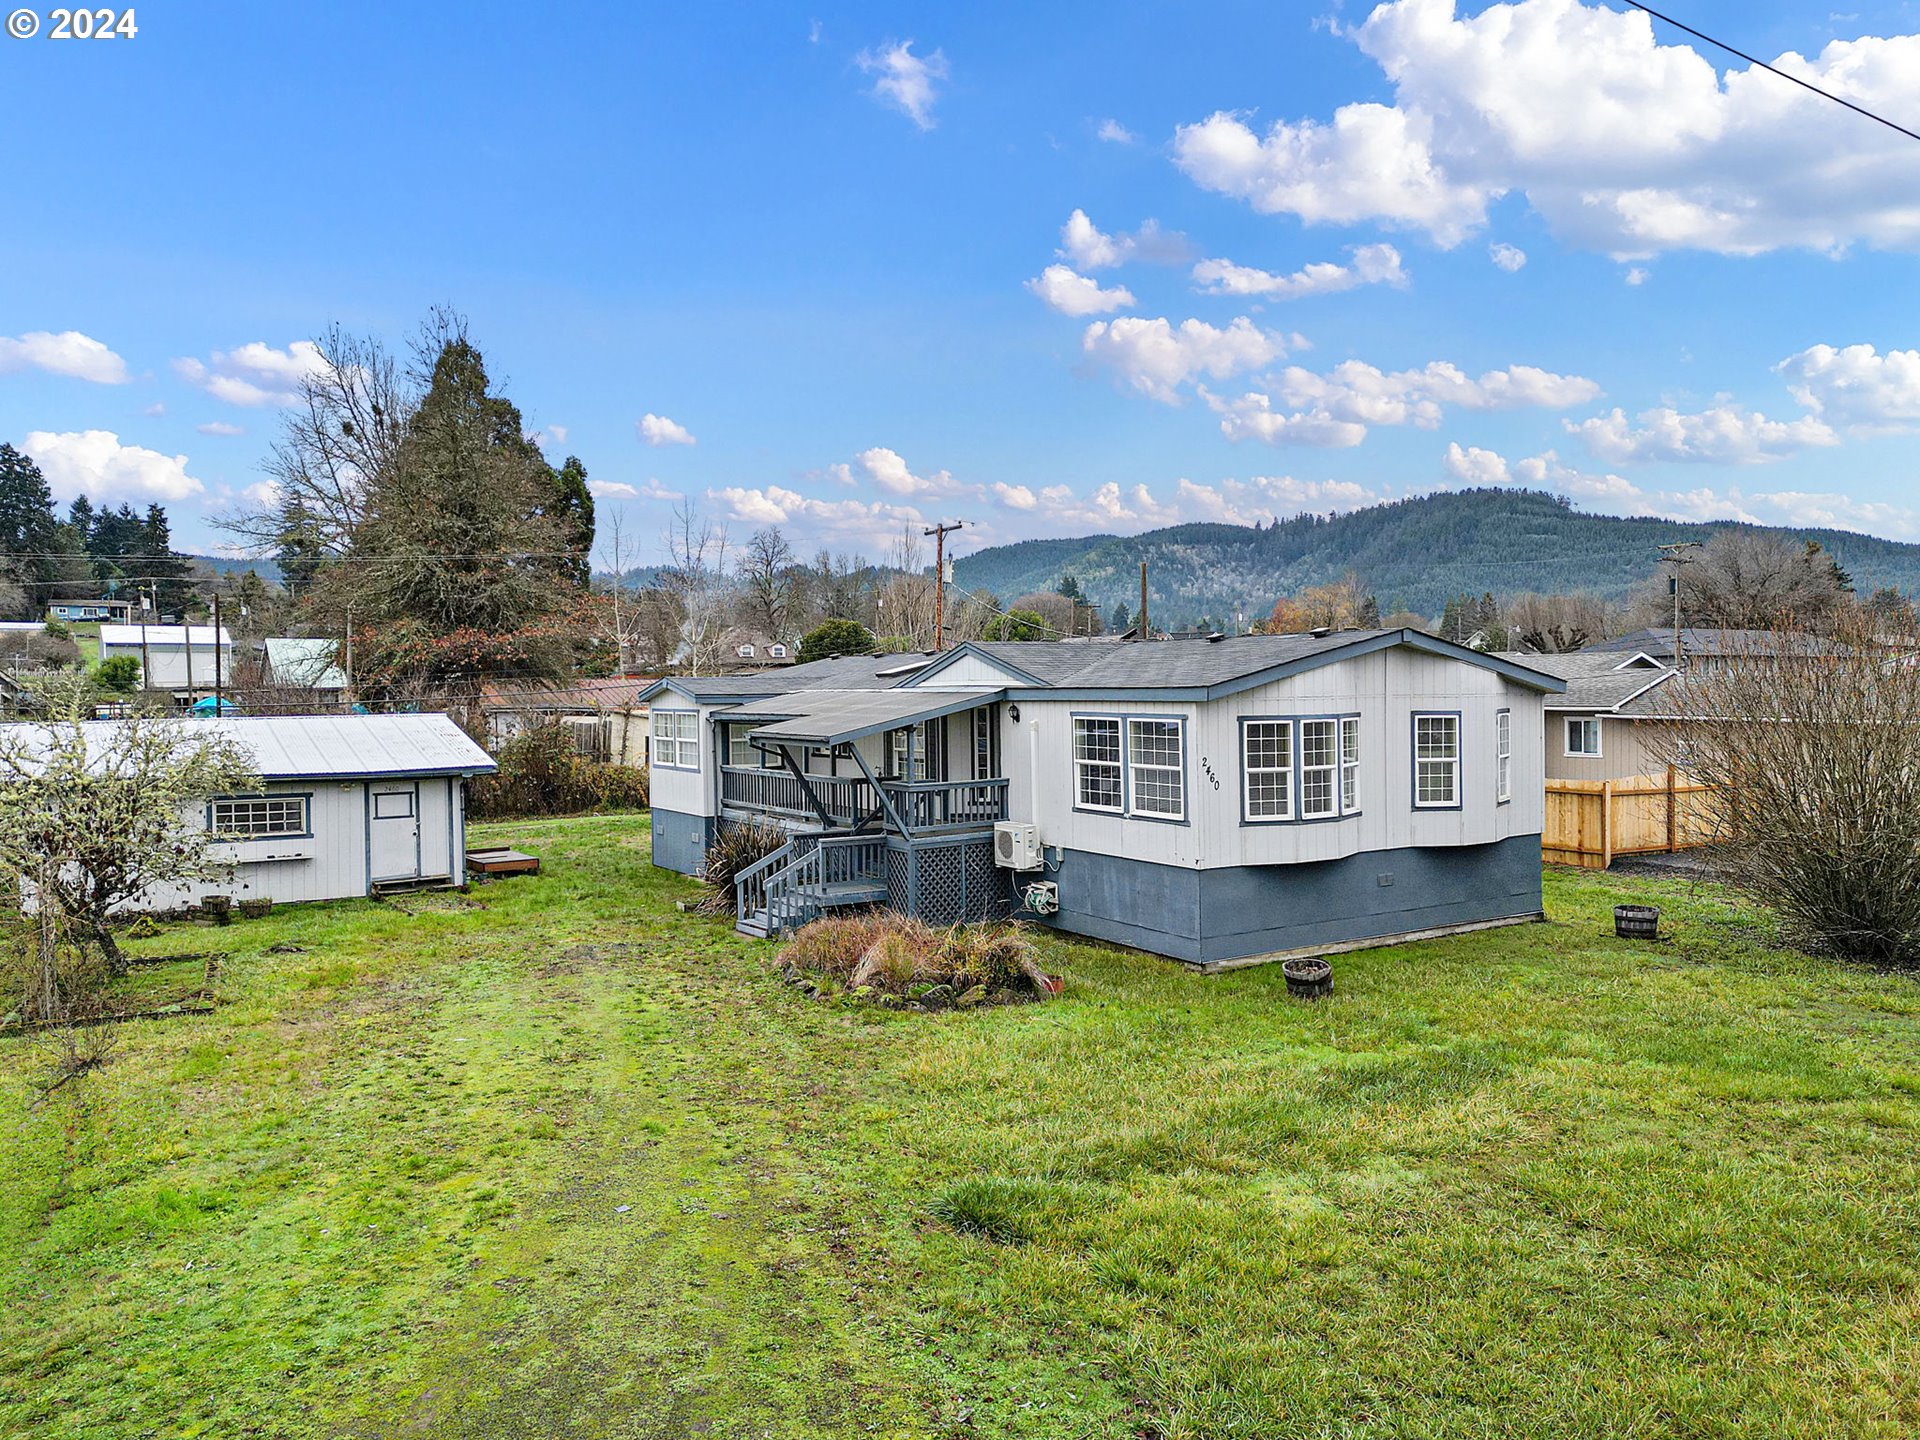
x: 818, y: 719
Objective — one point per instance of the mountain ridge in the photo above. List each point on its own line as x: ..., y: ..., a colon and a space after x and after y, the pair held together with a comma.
x: 1414, y: 554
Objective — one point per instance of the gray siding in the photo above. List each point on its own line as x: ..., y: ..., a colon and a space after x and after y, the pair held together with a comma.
x: 680, y: 840
x: 1204, y: 916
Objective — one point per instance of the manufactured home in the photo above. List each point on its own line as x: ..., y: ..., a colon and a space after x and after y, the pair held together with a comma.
x: 1219, y: 801
x: 187, y: 659
x: 82, y: 611
x: 347, y: 805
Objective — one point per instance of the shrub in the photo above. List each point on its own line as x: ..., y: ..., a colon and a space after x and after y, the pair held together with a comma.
x: 118, y: 674
x: 891, y: 955
x: 734, y: 849
x: 835, y: 637
x: 541, y: 773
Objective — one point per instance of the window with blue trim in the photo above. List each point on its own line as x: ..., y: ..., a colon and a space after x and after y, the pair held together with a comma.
x: 1502, y: 756
x: 1157, y: 765
x: 1300, y: 768
x: 259, y: 818
x: 1267, y: 761
x: 676, y: 739
x: 1436, y: 761
x: 1096, y: 763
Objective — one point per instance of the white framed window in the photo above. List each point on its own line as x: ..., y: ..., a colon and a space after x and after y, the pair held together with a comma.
x: 1583, y: 735
x: 1319, y: 769
x: 746, y: 652
x: 983, y: 743
x: 1096, y: 764
x: 1502, y: 756
x: 1436, y: 762
x: 777, y: 652
x: 1350, y: 765
x: 1266, y: 763
x: 1156, y: 760
x: 898, y: 762
x: 261, y: 817
x: 676, y: 739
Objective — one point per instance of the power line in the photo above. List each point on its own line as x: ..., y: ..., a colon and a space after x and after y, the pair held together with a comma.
x: 1755, y: 60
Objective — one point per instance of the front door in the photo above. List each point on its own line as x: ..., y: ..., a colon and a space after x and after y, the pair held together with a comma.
x: 394, y: 832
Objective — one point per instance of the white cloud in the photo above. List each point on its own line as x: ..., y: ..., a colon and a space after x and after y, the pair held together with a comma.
x: 1471, y: 465
x: 555, y: 435
x: 1856, y: 385
x: 659, y: 430
x: 1156, y: 358
x: 888, y: 470
x: 1087, y: 247
x: 94, y: 463
x: 906, y: 81
x: 254, y: 374
x: 1637, y: 274
x: 1620, y: 143
x: 859, y: 522
x: 1724, y: 435
x: 1115, y: 133
x: 1076, y: 295
x: 1508, y: 257
x: 1334, y: 409
x: 1014, y: 497
x: 155, y: 410
x: 68, y: 353
x: 612, y: 490
x: 262, y: 494
x: 1369, y: 265
x: 220, y: 427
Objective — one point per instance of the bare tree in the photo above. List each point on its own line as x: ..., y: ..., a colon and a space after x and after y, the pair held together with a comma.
x: 1557, y: 624
x: 344, y: 432
x: 1814, y: 756
x: 100, y: 813
x: 1750, y: 580
x: 697, y: 579
x: 903, y: 607
x: 767, y: 582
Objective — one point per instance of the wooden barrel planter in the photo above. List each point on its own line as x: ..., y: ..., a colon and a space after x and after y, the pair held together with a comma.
x: 218, y: 908
x: 1636, y: 922
x: 1307, y: 979
x: 257, y: 909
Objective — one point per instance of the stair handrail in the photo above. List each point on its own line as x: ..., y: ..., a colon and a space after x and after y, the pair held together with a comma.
x: 753, y: 878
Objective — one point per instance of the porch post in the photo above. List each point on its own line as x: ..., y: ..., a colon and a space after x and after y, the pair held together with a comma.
x: 800, y: 774
x: 886, y: 800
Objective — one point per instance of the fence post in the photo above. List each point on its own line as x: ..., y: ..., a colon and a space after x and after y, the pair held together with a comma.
x: 1673, y: 828
x: 1606, y: 824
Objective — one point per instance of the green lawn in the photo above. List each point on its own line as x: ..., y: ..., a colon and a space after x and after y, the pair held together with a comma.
x: 1525, y: 1182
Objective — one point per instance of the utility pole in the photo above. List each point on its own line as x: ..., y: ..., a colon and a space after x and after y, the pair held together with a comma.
x: 146, y: 662
x: 218, y: 704
x: 1140, y: 626
x: 1677, y: 554
x: 346, y: 695
x: 940, y: 533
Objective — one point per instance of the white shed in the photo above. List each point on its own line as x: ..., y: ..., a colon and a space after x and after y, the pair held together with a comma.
x: 348, y: 804
x: 172, y: 657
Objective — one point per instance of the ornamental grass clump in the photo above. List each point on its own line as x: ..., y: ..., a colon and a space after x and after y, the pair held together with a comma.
x: 901, y: 962
x: 734, y: 849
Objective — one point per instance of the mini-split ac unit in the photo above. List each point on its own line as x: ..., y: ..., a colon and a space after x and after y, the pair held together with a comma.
x: 1016, y: 845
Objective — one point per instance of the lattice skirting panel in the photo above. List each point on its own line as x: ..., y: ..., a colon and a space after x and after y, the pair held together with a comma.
x: 947, y: 881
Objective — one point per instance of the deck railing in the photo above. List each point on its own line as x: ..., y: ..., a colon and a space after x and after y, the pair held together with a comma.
x: 936, y: 804
x: 849, y: 799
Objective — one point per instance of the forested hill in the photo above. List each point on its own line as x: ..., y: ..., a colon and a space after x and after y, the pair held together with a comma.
x: 1413, y: 555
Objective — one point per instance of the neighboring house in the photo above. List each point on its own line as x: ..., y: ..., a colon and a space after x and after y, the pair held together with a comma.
x: 603, y: 717
x: 1606, y: 723
x: 295, y: 664
x: 753, y: 650
x: 112, y: 611
x: 348, y: 804
x: 1705, y: 645
x: 1218, y: 801
x: 179, y: 658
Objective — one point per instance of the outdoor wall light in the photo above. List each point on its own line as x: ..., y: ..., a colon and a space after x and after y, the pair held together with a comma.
x: 1013, y: 713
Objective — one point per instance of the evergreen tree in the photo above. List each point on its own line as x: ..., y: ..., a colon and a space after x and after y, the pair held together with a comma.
x: 1120, y: 620
x: 28, y: 528
x: 571, y: 510
x: 166, y: 570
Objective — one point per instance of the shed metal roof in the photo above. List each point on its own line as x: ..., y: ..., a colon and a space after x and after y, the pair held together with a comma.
x: 843, y: 672
x: 313, y: 663
x: 162, y: 635
x: 326, y: 747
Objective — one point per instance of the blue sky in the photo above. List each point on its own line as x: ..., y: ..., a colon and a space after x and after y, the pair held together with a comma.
x: 839, y: 266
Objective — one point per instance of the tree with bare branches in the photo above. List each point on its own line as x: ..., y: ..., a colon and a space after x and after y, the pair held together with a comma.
x: 1813, y: 753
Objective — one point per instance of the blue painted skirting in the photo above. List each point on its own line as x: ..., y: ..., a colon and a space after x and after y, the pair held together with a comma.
x: 680, y: 841
x: 1202, y: 916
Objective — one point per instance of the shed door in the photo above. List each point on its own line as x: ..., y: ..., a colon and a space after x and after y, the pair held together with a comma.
x: 393, y: 823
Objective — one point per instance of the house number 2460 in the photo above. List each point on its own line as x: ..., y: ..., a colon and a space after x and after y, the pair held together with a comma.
x: 1206, y: 768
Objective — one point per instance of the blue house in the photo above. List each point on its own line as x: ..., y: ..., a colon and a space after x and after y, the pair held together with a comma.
x: 1222, y: 801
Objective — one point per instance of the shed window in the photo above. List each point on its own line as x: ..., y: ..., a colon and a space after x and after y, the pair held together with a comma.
x: 1156, y: 758
x: 676, y: 739
x: 1502, y: 756
x: 1583, y: 735
x: 259, y: 818
x: 1266, y: 753
x: 1096, y: 763
x: 1436, y: 761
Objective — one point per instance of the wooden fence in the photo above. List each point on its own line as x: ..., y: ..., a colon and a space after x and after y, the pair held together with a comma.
x: 1589, y: 822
